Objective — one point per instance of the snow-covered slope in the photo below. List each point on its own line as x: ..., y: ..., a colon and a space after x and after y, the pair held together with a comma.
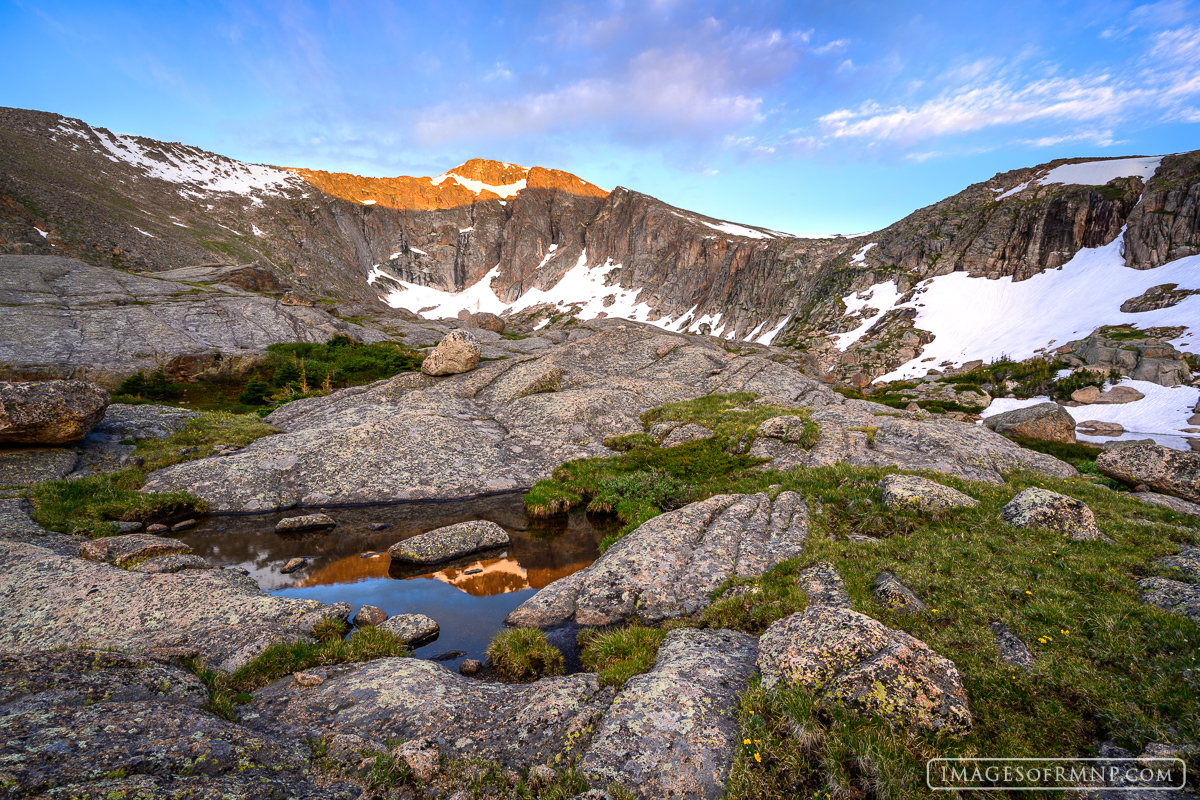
x: 198, y: 173
x: 973, y: 318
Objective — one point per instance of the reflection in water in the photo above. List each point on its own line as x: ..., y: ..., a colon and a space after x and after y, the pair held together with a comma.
x: 469, y: 607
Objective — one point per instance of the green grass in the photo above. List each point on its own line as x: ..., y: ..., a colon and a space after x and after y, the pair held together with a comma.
x: 618, y: 655
x: 288, y: 372
x: 645, y: 479
x: 524, y: 653
x: 92, y: 503
x: 1124, y: 671
x: 283, y: 658
x: 1109, y: 668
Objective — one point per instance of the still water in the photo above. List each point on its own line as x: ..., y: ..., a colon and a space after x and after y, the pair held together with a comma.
x: 468, y: 597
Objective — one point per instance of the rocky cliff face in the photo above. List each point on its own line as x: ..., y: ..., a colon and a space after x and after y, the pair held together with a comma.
x: 135, y: 204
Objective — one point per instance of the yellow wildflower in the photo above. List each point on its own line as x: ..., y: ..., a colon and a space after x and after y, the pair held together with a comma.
x: 758, y: 758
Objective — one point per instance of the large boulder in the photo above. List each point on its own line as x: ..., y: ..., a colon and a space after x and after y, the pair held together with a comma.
x: 673, y: 732
x: 1047, y: 421
x: 486, y: 321
x: 1175, y: 596
x: 452, y: 541
x: 49, y: 412
x: 411, y: 628
x: 1173, y: 472
x: 872, y: 435
x: 458, y: 352
x: 1041, y: 508
x: 670, y: 565
x: 915, y: 492
x: 850, y: 660
x: 1119, y: 395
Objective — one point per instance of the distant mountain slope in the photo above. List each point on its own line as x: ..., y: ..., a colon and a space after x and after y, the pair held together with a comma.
x: 501, y: 237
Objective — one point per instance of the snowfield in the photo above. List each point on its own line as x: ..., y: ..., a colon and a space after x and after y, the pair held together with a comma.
x: 475, y: 187
x: 1092, y: 173
x: 974, y: 318
x: 199, y: 172
x: 582, y: 287
x: 1161, y: 415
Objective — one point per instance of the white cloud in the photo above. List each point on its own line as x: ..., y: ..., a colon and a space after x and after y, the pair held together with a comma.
x: 1162, y: 83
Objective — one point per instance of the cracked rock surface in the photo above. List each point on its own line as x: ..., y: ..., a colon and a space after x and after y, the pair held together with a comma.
x: 672, y: 732
x: 851, y: 660
x: 408, y: 698
x: 52, y: 598
x: 669, y: 566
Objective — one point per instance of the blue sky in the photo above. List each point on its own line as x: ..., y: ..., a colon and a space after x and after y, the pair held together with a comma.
x: 814, y: 117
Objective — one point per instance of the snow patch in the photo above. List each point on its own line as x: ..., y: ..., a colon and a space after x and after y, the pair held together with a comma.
x: 368, y: 202
x: 474, y: 186
x: 1161, y: 415
x: 1092, y: 173
x: 45, y: 234
x: 254, y: 229
x: 736, y: 230
x: 142, y: 232
x: 861, y: 256
x: 881, y: 296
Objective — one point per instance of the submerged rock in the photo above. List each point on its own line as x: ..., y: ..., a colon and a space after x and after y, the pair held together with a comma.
x: 1046, y: 421
x: 673, y: 732
x: 452, y: 541
x: 1173, y: 472
x: 49, y: 412
x: 912, y: 491
x: 1041, y: 508
x: 410, y: 628
x: 308, y: 522
x: 670, y: 565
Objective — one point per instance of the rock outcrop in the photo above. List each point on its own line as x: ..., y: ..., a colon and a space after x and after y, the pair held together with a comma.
x: 1145, y: 359
x: 85, y: 603
x: 1041, y: 508
x: 408, y: 698
x: 852, y: 661
x: 49, y: 412
x: 64, y: 318
x: 1170, y: 471
x: 126, y: 551
x: 868, y: 434
x: 1047, y: 421
x: 670, y: 565
x: 105, y: 725
x: 673, y: 732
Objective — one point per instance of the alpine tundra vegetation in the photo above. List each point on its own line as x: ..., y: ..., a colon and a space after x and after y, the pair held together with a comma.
x: 495, y: 483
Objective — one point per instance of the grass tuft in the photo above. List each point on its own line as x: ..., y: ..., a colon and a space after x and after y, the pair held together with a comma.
x: 618, y: 655
x: 525, y: 653
x: 92, y: 503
